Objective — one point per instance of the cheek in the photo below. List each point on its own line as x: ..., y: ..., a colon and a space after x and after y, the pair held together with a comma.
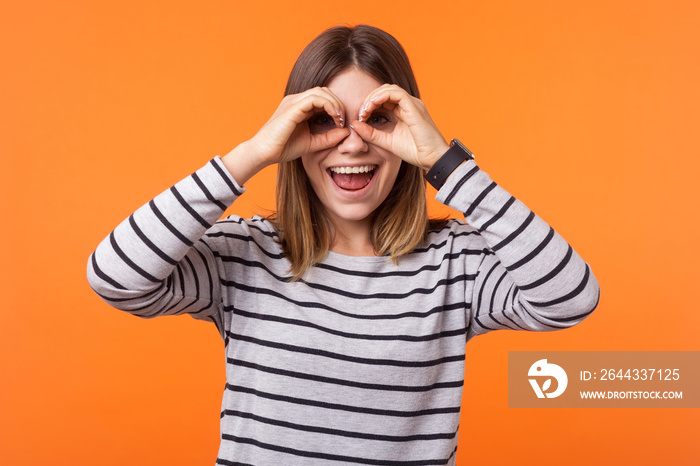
x: 393, y: 166
x: 313, y: 171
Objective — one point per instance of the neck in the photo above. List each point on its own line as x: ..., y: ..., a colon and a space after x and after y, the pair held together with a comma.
x: 353, y: 239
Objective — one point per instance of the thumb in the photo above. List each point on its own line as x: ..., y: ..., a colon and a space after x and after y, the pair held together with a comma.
x: 371, y: 135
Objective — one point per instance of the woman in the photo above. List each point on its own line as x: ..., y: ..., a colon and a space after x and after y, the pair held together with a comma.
x: 345, y: 316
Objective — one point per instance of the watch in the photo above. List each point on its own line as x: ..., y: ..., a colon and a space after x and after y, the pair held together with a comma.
x: 455, y: 155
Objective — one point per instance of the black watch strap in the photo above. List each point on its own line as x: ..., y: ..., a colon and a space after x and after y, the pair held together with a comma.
x: 455, y: 155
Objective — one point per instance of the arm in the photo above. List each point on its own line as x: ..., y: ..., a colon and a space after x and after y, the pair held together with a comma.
x: 534, y: 280
x: 157, y: 262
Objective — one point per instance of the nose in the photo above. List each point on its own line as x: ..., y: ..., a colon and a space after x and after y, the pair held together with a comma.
x: 353, y: 144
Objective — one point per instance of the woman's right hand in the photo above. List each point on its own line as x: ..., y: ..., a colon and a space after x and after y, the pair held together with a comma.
x: 286, y: 135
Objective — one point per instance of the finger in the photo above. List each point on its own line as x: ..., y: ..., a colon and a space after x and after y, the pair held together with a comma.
x: 390, y: 97
x: 340, y: 107
x: 372, y: 135
x: 328, y: 139
x: 320, y: 98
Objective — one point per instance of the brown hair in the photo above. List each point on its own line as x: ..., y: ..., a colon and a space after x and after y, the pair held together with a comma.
x: 401, y: 221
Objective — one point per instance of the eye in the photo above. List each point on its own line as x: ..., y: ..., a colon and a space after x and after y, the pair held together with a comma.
x: 320, y: 123
x: 378, y: 119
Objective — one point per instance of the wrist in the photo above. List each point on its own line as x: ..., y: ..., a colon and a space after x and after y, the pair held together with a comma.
x: 243, y: 162
x: 437, y: 154
x: 455, y: 155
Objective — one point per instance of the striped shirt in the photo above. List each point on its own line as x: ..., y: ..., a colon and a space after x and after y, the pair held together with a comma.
x: 362, y: 361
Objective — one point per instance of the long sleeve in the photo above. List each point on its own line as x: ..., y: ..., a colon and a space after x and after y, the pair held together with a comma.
x: 155, y: 262
x: 531, y: 278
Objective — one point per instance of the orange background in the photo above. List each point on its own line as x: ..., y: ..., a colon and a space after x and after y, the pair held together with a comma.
x: 587, y: 111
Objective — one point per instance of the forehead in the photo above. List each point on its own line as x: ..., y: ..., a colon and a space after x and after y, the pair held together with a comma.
x: 352, y: 85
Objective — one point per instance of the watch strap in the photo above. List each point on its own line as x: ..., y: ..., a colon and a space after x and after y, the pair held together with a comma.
x: 455, y: 155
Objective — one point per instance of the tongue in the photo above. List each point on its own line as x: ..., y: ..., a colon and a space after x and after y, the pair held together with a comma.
x: 352, y: 181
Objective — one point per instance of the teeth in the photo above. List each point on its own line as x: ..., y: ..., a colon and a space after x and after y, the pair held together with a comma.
x: 348, y: 170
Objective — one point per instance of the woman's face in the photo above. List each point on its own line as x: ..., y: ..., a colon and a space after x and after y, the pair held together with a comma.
x: 353, y: 178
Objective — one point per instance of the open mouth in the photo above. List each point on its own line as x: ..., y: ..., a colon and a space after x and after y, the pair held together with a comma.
x: 352, y: 178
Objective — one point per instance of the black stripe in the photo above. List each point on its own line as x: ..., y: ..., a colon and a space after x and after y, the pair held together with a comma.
x: 459, y: 184
x: 511, y: 293
x: 343, y: 382
x: 493, y: 296
x: 328, y: 456
x: 407, y: 273
x: 356, y: 273
x: 479, y: 298
x: 209, y: 276
x: 347, y: 294
x: 451, y: 234
x: 176, y: 304
x: 580, y: 316
x: 149, y: 243
x: 215, y: 321
x: 344, y: 357
x: 231, y: 463
x: 121, y: 300
x: 552, y: 273
x: 403, y: 315
x: 513, y: 235
x: 525, y: 309
x: 534, y: 252
x: 168, y: 225
x: 535, y: 317
x: 499, y: 214
x: 206, y: 192
x: 129, y: 262
x: 226, y: 178
x: 341, y: 407
x: 576, y: 291
x: 249, y: 223
x: 248, y: 239
x: 359, y: 336
x: 181, y: 279
x: 475, y: 203
x: 339, y: 432
x: 502, y: 311
x: 448, y: 226
x: 158, y: 311
x: 189, y: 208
x: 104, y: 276
x: 195, y: 278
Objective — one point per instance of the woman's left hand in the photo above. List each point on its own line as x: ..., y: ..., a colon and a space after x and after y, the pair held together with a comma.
x: 414, y: 137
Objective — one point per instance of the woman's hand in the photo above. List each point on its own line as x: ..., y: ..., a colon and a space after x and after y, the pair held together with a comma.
x: 414, y: 138
x: 286, y: 134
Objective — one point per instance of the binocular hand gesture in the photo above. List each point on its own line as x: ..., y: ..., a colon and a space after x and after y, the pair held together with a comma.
x: 286, y: 135
x: 414, y: 138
